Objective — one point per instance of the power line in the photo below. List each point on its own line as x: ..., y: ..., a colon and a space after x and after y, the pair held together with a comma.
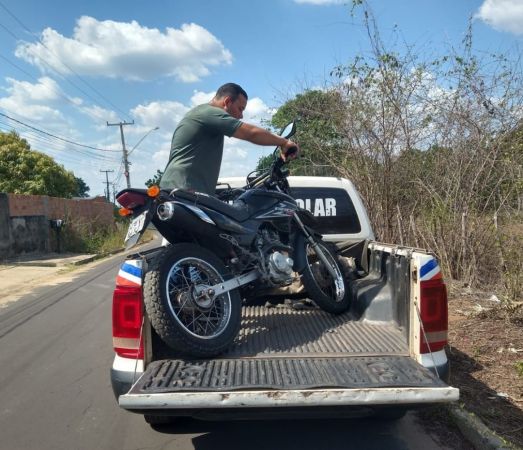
x: 9, y: 31
x: 50, y: 147
x: 51, y: 68
x: 61, y: 94
x: 58, y: 137
x: 62, y: 62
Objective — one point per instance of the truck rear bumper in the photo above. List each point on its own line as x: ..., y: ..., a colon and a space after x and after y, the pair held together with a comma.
x: 289, y: 398
x: 124, y: 373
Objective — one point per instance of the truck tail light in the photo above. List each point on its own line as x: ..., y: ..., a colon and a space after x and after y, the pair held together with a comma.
x: 434, y: 315
x: 127, y: 322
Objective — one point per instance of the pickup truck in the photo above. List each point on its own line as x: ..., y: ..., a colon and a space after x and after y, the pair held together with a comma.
x: 382, y: 357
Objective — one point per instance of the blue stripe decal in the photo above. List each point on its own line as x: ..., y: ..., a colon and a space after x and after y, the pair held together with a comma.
x: 427, y: 267
x: 132, y: 270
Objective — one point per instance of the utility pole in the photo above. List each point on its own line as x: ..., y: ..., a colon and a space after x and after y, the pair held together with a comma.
x: 125, y: 160
x: 107, y: 192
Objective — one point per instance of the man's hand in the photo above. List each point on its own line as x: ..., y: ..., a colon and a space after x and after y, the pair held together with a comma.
x: 289, y: 151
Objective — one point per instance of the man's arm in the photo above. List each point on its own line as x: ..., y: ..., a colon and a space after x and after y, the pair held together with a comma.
x: 260, y: 136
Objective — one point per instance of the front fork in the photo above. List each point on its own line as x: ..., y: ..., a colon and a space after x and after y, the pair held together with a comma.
x: 317, y: 249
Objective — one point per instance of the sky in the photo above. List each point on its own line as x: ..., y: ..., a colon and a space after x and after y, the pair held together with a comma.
x: 68, y: 68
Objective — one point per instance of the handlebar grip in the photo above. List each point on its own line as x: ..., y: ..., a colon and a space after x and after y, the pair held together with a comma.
x: 291, y: 151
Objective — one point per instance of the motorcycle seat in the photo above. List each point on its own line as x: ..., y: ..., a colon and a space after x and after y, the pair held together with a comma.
x: 237, y: 211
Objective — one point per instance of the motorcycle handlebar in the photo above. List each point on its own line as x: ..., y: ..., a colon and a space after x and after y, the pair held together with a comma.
x: 291, y: 151
x: 277, y: 165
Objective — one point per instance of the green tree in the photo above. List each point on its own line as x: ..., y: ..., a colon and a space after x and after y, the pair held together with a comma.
x: 154, y: 180
x: 318, y: 115
x: 25, y: 171
x: 82, y: 188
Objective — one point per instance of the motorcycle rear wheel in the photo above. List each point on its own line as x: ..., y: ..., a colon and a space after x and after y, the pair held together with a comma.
x: 330, y: 294
x: 191, y: 324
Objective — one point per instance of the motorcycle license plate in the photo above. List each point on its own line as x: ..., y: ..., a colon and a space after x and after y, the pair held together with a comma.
x: 136, y: 226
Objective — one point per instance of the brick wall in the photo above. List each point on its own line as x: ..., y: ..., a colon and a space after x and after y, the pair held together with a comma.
x: 80, y: 210
x: 24, y: 221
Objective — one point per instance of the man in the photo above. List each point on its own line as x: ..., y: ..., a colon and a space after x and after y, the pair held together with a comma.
x: 197, y: 144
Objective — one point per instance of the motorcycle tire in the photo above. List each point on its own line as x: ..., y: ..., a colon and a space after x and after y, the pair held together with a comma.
x: 193, y: 325
x: 331, y: 295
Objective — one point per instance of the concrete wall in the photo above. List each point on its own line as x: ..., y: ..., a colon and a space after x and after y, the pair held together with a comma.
x: 29, y: 234
x: 5, y: 226
x: 24, y: 220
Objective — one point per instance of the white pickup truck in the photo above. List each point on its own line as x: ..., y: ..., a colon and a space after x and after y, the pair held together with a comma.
x: 384, y: 356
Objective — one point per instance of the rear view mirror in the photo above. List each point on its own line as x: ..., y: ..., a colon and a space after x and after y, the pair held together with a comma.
x: 289, y: 130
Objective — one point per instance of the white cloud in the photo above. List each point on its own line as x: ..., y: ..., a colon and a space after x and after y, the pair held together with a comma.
x: 99, y: 115
x: 34, y: 101
x: 129, y: 50
x: 199, y: 98
x: 163, y: 114
x: 161, y: 157
x: 321, y: 2
x: 44, y: 90
x: 504, y: 15
x: 257, y: 111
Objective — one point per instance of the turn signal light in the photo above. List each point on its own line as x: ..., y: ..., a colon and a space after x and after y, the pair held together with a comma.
x: 125, y: 212
x: 153, y: 191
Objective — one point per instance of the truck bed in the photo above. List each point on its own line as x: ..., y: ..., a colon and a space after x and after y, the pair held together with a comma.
x: 286, y: 332
x: 284, y: 353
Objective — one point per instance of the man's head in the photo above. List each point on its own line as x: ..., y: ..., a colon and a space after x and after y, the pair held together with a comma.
x: 232, y: 99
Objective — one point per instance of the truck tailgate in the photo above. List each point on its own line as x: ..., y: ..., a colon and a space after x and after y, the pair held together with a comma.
x: 293, y: 358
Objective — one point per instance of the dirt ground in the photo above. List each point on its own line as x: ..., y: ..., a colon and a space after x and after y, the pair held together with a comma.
x: 486, y: 357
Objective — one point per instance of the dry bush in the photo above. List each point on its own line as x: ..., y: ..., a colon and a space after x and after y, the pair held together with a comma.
x: 435, y: 147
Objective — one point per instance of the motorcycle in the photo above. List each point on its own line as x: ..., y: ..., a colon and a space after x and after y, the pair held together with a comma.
x: 217, y: 250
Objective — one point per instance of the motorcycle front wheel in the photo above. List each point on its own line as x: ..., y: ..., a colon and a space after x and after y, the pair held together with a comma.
x: 330, y: 293
x: 181, y: 311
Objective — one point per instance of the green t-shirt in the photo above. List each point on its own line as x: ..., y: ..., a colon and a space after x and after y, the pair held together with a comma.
x: 197, y: 149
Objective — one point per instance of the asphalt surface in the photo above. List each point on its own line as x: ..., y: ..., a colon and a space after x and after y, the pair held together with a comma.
x: 55, y: 356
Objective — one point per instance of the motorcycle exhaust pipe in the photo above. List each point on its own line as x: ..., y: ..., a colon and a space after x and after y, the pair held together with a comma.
x: 166, y: 211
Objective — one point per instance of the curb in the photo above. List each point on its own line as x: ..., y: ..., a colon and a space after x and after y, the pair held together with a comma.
x: 475, y: 431
x: 35, y: 264
x: 97, y: 256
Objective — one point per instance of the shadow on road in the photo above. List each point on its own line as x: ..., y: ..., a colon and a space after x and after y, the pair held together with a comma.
x: 304, y: 434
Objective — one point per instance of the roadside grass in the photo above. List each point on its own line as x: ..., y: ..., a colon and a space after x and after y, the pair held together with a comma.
x: 519, y: 368
x: 95, y: 238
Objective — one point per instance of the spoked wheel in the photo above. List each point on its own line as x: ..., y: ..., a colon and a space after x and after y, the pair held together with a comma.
x: 182, y: 310
x: 330, y: 293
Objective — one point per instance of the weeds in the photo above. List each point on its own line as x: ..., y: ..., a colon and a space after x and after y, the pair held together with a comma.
x: 510, y: 246
x: 519, y: 368
x: 92, y: 237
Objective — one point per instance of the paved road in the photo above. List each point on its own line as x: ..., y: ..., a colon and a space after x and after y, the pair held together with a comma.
x: 55, y: 393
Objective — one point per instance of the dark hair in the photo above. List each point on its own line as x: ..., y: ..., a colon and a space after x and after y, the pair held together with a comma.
x: 232, y: 90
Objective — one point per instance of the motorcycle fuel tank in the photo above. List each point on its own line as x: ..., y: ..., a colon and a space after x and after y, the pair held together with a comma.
x: 268, y: 204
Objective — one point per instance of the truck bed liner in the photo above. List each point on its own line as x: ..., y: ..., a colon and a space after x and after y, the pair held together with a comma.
x: 287, y: 348
x: 296, y: 373
x: 286, y: 332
